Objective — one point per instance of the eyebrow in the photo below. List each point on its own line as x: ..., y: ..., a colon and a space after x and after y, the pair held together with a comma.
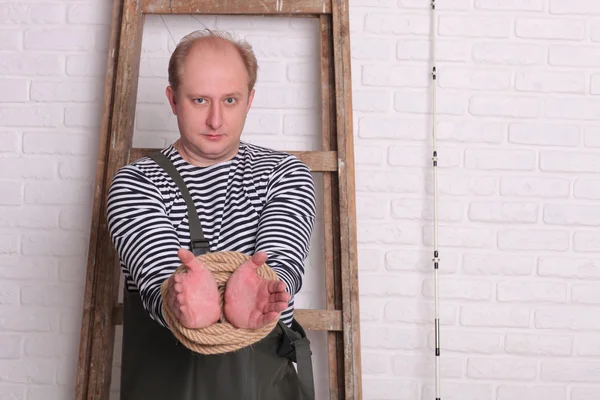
x: 196, y: 95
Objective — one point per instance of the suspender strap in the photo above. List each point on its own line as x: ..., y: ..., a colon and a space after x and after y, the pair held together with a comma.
x: 296, y: 347
x: 198, y: 244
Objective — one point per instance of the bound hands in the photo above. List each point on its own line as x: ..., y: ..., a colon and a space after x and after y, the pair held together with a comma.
x: 251, y: 302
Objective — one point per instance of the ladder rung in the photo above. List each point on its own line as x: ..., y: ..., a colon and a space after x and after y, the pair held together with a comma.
x: 236, y: 7
x: 314, y: 320
x: 317, y: 161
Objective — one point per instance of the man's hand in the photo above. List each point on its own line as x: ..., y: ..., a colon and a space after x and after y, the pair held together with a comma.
x: 252, y: 302
x: 193, y: 296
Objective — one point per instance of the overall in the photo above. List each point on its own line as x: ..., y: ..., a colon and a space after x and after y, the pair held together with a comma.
x: 156, y: 366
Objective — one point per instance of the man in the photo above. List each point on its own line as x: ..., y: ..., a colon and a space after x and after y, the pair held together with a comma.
x: 248, y: 198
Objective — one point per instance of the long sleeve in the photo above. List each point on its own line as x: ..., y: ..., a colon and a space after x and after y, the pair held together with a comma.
x: 287, y: 221
x: 143, y: 235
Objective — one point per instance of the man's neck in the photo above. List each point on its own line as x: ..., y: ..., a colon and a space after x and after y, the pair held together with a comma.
x: 192, y: 158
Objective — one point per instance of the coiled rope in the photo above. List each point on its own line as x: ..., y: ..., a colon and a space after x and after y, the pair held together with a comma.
x: 221, y: 337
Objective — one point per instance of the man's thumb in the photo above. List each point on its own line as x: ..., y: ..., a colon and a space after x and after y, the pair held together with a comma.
x: 188, y: 259
x: 257, y: 260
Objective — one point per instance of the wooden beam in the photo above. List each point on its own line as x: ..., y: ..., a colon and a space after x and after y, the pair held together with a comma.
x: 315, y: 320
x: 317, y: 161
x: 247, y: 7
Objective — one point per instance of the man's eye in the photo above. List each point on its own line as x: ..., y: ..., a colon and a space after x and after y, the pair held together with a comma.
x: 199, y: 101
x: 230, y: 100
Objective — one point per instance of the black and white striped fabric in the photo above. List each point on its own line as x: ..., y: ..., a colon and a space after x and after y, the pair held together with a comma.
x: 261, y: 200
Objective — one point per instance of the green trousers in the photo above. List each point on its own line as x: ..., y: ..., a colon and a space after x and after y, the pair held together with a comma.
x: 155, y: 366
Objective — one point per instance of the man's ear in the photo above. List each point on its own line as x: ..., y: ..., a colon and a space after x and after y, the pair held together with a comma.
x: 250, y: 98
x: 172, y: 97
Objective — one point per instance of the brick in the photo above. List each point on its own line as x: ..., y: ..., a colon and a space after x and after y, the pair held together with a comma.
x: 11, y: 40
x: 584, y: 7
x: 378, y: 181
x: 51, y: 295
x: 295, y: 97
x: 595, y: 84
x: 551, y: 240
x: 57, y: 193
x: 29, y: 217
x: 572, y: 108
x: 462, y: 289
x: 10, y: 193
x: 562, y: 214
x: 53, y: 244
x: 9, y: 242
x: 592, y: 136
x: 587, y: 345
x: 373, y: 49
x: 561, y: 161
x: 27, y: 319
x: 456, y: 5
x: 75, y: 219
x: 380, y: 337
x: 375, y: 363
x: 9, y: 142
x: 412, y: 156
x: 375, y: 3
x: 535, y: 187
x: 517, y: 392
x: 419, y: 50
x: 498, y: 53
x: 31, y: 64
x: 70, y: 269
x: 356, y: 20
x: 59, y: 39
x: 497, y: 264
x: 27, y: 168
x: 94, y: 65
x: 83, y: 116
x: 463, y: 185
x: 57, y: 143
x: 544, y: 134
x: 574, y: 56
x: 416, y: 312
x: 384, y: 127
x: 470, y: 342
x: 570, y: 371
x: 505, y: 316
x: 390, y: 389
x: 12, y: 392
x: 585, y: 293
x: 303, y: 72
x: 587, y: 188
x: 460, y: 391
x: 546, y: 28
x: 595, y: 32
x: 459, y: 237
x: 16, y: 267
x: 420, y: 103
x: 291, y: 47
x: 510, y: 5
x: 76, y: 168
x: 422, y: 209
x: 372, y: 309
x: 388, y: 285
x: 70, y: 323
x: 376, y: 101
x: 13, y: 90
x: 480, y: 26
x: 50, y: 346
x: 420, y: 261
x: 503, y: 212
x: 27, y: 371
x: 411, y: 365
x: 487, y: 159
x: 397, y: 24
x: 471, y: 131
x: 569, y: 267
x: 10, y: 348
x: 508, y: 368
x: 550, y: 82
x: 531, y: 291
x: 504, y: 106
x: 585, y: 393
x: 371, y: 207
x: 76, y: 91
x: 19, y: 14
x: 368, y: 155
x: 395, y: 75
x: 389, y: 233
x: 31, y: 116
x: 50, y: 392
x: 571, y: 318
x: 89, y: 14
x: 474, y: 79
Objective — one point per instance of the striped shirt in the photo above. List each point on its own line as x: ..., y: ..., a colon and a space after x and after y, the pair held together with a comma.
x: 261, y: 200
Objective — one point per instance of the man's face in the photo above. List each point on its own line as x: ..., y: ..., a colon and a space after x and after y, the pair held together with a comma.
x: 211, y: 102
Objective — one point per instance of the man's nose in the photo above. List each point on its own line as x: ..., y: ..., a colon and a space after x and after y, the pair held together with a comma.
x: 215, y: 116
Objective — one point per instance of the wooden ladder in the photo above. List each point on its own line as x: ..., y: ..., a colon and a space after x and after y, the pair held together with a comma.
x: 101, y: 310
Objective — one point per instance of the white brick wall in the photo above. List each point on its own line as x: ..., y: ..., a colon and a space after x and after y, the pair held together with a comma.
x: 520, y: 252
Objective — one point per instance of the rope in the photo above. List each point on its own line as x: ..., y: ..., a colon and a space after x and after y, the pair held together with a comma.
x: 221, y: 337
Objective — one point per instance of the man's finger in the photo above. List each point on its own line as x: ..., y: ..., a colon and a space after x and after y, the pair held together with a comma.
x: 281, y: 296
x: 276, y: 307
x: 275, y: 286
x: 256, y: 260
x: 188, y: 259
